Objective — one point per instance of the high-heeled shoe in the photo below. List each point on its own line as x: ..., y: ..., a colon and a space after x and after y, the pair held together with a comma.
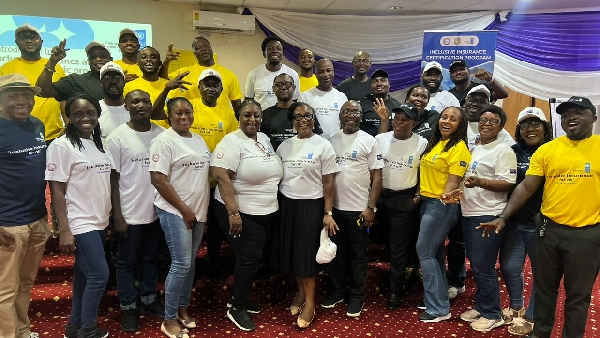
x: 182, y: 334
x: 295, y: 310
x: 303, y: 324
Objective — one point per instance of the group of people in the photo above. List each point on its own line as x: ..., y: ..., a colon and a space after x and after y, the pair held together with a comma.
x: 158, y: 155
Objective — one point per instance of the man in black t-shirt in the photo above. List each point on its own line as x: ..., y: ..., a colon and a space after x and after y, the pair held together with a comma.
x: 380, y: 88
x: 275, y: 123
x: 461, y: 77
x: 358, y: 86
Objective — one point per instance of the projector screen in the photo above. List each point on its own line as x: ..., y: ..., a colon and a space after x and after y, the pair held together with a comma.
x: 77, y: 32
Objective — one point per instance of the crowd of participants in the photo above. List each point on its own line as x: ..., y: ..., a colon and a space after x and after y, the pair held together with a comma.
x: 153, y: 156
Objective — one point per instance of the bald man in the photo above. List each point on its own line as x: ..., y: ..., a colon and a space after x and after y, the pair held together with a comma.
x: 359, y: 85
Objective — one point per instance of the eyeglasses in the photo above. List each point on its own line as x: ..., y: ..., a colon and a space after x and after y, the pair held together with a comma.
x: 351, y: 113
x: 532, y: 124
x: 306, y: 117
x: 362, y: 61
x: 262, y: 148
x: 493, y: 122
x: 283, y: 85
x: 477, y: 101
x: 28, y: 36
x: 112, y: 77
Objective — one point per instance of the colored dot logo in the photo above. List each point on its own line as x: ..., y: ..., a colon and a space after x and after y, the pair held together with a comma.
x: 155, y: 157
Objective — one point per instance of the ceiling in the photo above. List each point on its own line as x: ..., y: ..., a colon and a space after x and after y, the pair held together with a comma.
x: 382, y: 7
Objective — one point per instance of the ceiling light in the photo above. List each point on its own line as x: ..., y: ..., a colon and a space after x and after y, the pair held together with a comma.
x: 395, y: 8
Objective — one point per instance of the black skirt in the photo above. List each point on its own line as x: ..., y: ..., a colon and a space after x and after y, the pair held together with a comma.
x: 296, y: 236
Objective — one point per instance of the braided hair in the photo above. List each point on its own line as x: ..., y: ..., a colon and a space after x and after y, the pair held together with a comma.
x: 71, y: 132
x: 459, y: 135
x: 171, y: 102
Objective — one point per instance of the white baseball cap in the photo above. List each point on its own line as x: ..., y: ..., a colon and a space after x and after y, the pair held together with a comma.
x: 531, y: 112
x: 480, y: 89
x: 128, y: 31
x: 209, y: 72
x: 111, y: 67
x: 432, y: 64
x: 26, y: 27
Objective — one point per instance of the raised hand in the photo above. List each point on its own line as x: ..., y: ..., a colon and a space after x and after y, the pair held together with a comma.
x: 58, y: 52
x: 171, y: 55
x: 483, y: 74
x: 178, y: 82
x: 381, y: 109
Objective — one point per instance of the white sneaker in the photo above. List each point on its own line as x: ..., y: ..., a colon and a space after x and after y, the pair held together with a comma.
x: 34, y: 335
x: 470, y: 315
x: 486, y: 325
x: 453, y: 291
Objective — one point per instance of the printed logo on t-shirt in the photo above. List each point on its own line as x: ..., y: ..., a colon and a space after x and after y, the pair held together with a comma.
x: 434, y: 157
x: 41, y: 138
x: 219, y: 155
x: 513, y: 171
x: 354, y: 152
x: 51, y: 166
x: 588, y: 168
x: 335, y: 105
x: 310, y: 155
x: 410, y: 160
x: 473, y: 166
x: 379, y: 157
x: 463, y: 164
x: 102, y: 168
x: 155, y: 157
x: 220, y: 125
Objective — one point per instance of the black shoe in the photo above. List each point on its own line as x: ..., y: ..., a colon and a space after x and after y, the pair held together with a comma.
x: 332, y: 298
x: 251, y: 306
x: 129, y: 320
x: 217, y: 277
x: 421, y: 305
x: 354, y: 308
x: 155, y: 309
x: 71, y: 330
x: 394, y: 301
x: 241, y: 319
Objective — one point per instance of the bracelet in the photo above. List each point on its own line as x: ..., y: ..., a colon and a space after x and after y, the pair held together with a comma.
x: 50, y: 70
x: 236, y: 215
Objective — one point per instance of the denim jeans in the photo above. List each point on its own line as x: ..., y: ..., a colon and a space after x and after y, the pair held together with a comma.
x: 140, y: 246
x: 183, y: 246
x: 436, y: 221
x: 483, y: 253
x: 90, y: 274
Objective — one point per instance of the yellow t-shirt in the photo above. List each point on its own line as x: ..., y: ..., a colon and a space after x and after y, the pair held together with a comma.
x: 130, y: 68
x: 307, y: 83
x: 45, y: 109
x: 212, y: 123
x: 436, y: 166
x: 231, y: 85
x: 153, y: 88
x: 572, y: 187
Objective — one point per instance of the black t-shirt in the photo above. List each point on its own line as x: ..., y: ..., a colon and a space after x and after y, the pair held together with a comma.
x: 525, y: 216
x: 355, y: 90
x: 424, y: 126
x: 276, y: 125
x: 77, y: 83
x: 461, y: 96
x: 370, y: 120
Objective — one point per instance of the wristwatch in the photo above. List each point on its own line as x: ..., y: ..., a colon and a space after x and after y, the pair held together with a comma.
x: 373, y: 209
x: 500, y: 216
x: 328, y: 213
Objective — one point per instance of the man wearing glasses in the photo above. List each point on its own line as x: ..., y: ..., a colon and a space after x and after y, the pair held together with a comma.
x: 325, y: 100
x: 275, y: 122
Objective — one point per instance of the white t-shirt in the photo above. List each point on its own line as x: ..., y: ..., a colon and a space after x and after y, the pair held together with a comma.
x: 356, y: 154
x: 305, y: 161
x: 258, y: 171
x: 473, y: 135
x: 185, y: 161
x: 327, y: 107
x: 402, y: 159
x: 492, y: 161
x: 110, y: 118
x: 87, y: 177
x: 442, y: 100
x: 129, y: 152
x: 259, y: 84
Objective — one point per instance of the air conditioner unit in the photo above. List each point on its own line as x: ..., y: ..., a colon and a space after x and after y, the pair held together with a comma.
x: 208, y: 21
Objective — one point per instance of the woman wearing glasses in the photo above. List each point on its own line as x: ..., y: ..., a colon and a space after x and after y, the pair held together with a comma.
x: 306, y: 191
x: 247, y: 172
x: 532, y: 131
x: 491, y: 173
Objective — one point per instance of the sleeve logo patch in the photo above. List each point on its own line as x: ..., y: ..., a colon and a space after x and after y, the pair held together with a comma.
x: 51, y: 167
x: 155, y: 157
x: 219, y: 155
x: 463, y: 164
x: 513, y: 171
x: 379, y: 157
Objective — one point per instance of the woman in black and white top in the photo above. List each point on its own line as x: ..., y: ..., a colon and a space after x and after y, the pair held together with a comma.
x: 247, y: 172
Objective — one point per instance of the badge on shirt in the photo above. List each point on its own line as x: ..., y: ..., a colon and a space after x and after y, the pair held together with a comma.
x: 379, y: 157
x: 588, y: 168
x: 221, y: 125
x: 310, y: 155
x: 410, y: 160
x: 513, y: 171
x: 354, y: 152
x: 464, y: 164
x: 472, y: 166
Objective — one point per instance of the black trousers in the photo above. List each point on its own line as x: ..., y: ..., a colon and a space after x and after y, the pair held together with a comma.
x: 398, y: 212
x: 248, y: 249
x: 457, y: 270
x: 214, y: 235
x: 572, y: 253
x: 349, y: 267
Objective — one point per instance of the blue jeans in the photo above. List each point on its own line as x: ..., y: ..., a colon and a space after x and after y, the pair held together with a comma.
x: 183, y: 246
x: 519, y: 241
x: 483, y: 253
x: 90, y: 274
x: 436, y: 221
x: 140, y: 246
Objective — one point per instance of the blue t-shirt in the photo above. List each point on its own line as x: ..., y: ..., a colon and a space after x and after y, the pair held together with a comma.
x: 22, y: 165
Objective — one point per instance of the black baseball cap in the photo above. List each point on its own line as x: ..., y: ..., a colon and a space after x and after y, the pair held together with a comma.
x: 578, y: 101
x: 409, y: 109
x: 457, y: 63
x: 379, y: 73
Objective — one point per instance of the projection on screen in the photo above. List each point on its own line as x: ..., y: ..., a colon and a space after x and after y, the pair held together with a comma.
x: 77, y: 32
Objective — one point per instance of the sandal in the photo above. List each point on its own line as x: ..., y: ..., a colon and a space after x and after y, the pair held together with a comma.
x: 509, y: 314
x: 181, y: 334
x: 303, y: 324
x: 521, y: 326
x: 295, y: 310
x: 188, y: 324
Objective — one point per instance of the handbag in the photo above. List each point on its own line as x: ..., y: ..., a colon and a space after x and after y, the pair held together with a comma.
x: 327, y: 249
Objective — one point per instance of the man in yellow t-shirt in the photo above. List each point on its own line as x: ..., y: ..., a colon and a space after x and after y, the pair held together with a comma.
x: 31, y: 65
x: 306, y: 62
x: 149, y: 64
x: 568, y: 233
x: 232, y: 93
x: 129, y: 45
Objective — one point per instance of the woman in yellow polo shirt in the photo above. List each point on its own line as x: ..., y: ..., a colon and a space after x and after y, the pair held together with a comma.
x: 443, y: 164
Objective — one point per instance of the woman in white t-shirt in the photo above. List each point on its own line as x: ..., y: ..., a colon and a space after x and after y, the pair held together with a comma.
x: 491, y: 173
x: 247, y: 172
x: 78, y: 171
x: 306, y: 194
x: 179, y: 170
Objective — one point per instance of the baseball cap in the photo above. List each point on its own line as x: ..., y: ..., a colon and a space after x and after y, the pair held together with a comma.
x: 17, y: 80
x: 128, y: 31
x: 95, y: 44
x: 480, y: 89
x: 379, y: 73
x: 409, y: 109
x: 26, y: 27
x: 578, y: 101
x: 457, y: 63
x: 531, y: 112
x: 434, y: 65
x: 209, y: 72
x: 111, y: 67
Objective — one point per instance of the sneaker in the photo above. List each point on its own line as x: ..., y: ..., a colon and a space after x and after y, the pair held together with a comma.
x: 129, y: 320
x: 354, y: 308
x: 251, y: 306
x: 241, y: 319
x: 454, y: 291
x: 71, y: 330
x: 509, y: 314
x: 521, y: 326
x: 92, y: 332
x: 421, y: 305
x: 332, y: 298
x: 486, y: 325
x: 34, y: 335
x: 426, y: 317
x: 470, y: 315
x: 155, y: 309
